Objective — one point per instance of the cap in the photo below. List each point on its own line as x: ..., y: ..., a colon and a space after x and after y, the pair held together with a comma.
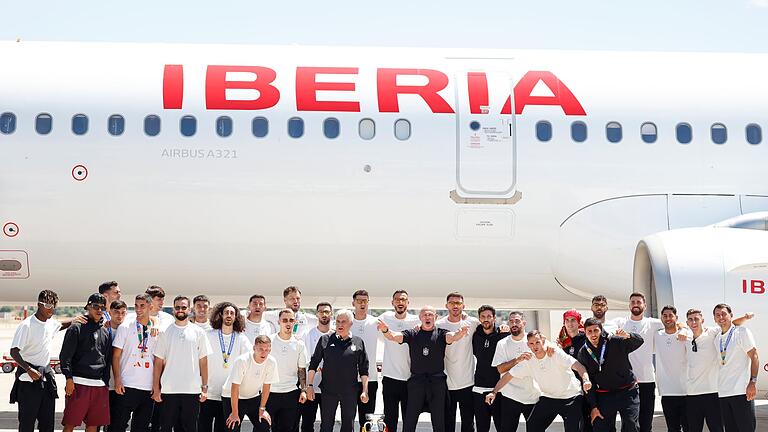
x: 97, y: 299
x: 572, y: 313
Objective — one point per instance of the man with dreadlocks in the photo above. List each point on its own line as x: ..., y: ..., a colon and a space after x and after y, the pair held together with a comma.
x: 228, y: 335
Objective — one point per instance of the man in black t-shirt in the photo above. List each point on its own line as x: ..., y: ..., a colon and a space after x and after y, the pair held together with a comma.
x: 484, y: 342
x: 427, y: 385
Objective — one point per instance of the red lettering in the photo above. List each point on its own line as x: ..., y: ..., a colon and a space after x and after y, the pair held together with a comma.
x: 388, y: 89
x: 744, y: 286
x: 173, y: 86
x: 758, y: 287
x: 477, y: 83
x: 216, y: 86
x: 307, y: 88
x: 561, y: 95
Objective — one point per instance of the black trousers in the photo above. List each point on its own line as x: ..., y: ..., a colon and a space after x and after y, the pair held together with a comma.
x: 511, y: 411
x: 699, y: 408
x: 484, y: 412
x: 647, y: 402
x: 546, y: 409
x: 245, y: 407
x: 36, y: 405
x: 211, y: 417
x: 331, y: 402
x: 626, y: 403
x: 308, y: 412
x: 136, y: 405
x: 462, y: 398
x: 180, y: 411
x: 674, y: 413
x: 284, y: 409
x: 738, y: 414
x: 395, y: 393
x: 369, y: 407
x: 431, y: 391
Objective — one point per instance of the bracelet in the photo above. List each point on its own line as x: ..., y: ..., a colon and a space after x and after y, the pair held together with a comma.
x: 386, y: 331
x: 204, y: 387
x: 310, y: 385
x: 753, y: 379
x: 262, y: 408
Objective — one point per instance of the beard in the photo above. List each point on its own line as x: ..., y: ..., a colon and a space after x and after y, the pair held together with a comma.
x: 324, y: 321
x: 515, y: 331
x: 636, y: 311
x: 181, y: 316
x: 599, y: 314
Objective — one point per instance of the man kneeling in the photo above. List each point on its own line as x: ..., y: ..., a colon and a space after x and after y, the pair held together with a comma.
x: 246, y: 390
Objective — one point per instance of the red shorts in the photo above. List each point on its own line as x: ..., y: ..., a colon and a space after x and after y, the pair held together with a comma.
x: 87, y: 404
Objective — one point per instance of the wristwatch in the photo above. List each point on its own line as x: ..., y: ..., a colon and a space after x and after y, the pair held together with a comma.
x: 753, y: 379
x: 204, y: 387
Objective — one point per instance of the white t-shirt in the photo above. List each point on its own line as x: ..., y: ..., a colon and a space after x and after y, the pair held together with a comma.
x: 397, y: 359
x: 671, y: 364
x: 206, y: 326
x: 236, y: 346
x: 253, y: 329
x: 734, y: 374
x: 304, y: 322
x: 135, y: 369
x: 251, y: 376
x: 641, y: 359
x: 310, y: 339
x: 182, y: 348
x: 552, y: 374
x: 520, y: 389
x: 610, y: 326
x: 165, y: 320
x: 33, y: 338
x: 290, y: 355
x: 704, y: 364
x: 367, y: 330
x: 459, y: 359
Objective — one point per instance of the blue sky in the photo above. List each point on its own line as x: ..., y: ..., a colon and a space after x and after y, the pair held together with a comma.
x: 648, y: 25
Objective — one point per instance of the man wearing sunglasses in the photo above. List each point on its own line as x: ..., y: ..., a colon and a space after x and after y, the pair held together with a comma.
x: 85, y: 357
x: 35, y: 385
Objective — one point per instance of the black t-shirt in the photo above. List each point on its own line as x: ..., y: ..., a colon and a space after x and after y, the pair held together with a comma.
x: 427, y: 350
x: 484, y: 347
x: 577, y: 342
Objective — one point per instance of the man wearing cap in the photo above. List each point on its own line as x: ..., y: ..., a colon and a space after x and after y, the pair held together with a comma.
x: 85, y: 357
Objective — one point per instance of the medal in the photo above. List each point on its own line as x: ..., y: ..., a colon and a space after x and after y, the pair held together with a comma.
x: 425, y: 351
x: 724, y: 349
x: 594, y: 357
x: 226, y: 354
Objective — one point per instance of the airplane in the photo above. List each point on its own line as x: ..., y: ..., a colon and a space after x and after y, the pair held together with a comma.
x: 524, y: 179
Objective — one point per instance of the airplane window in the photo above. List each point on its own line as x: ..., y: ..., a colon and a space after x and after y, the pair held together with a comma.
x: 754, y: 134
x: 116, y: 125
x: 543, y: 131
x: 648, y: 133
x: 367, y: 129
x: 402, y: 129
x: 43, y: 124
x: 152, y: 125
x: 7, y: 123
x: 613, y: 132
x: 295, y: 127
x: 223, y: 126
x: 331, y: 128
x: 260, y: 127
x: 719, y: 133
x: 80, y: 124
x: 188, y: 125
x: 684, y: 133
x: 579, y: 131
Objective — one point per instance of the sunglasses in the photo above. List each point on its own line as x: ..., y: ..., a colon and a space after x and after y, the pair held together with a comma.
x: 97, y: 307
x: 287, y: 320
x: 47, y: 305
x: 180, y: 308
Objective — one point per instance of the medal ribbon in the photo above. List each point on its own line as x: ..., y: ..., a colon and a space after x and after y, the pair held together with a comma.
x: 724, y: 349
x: 594, y: 357
x: 143, y: 336
x: 226, y: 354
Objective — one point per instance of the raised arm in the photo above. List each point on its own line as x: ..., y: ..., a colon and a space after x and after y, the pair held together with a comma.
x: 389, y: 335
x: 452, y: 337
x: 507, y: 365
x: 743, y: 319
x: 582, y: 371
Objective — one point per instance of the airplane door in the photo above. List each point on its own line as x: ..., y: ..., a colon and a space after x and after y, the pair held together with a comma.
x: 485, y: 139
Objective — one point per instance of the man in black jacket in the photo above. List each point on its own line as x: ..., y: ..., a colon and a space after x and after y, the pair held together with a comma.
x: 484, y: 342
x: 614, y: 390
x: 85, y: 358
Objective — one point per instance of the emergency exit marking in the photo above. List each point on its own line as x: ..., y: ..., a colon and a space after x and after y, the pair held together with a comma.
x: 79, y: 172
x: 11, y: 229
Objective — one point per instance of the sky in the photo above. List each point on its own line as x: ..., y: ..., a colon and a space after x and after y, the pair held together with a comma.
x: 640, y: 25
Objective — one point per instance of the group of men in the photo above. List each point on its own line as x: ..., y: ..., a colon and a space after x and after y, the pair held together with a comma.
x: 207, y: 368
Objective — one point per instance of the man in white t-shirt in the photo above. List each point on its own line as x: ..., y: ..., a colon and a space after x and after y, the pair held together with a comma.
x: 560, y: 389
x: 396, y: 365
x: 671, y: 370
x: 308, y: 410
x: 739, y: 364
x: 642, y: 358
x: 303, y: 323
x: 246, y: 391
x: 365, y: 327
x: 228, y: 343
x: 520, y: 394
x: 201, y: 306
x: 111, y: 291
x: 133, y: 350
x: 459, y: 365
x: 291, y: 356
x: 162, y: 319
x: 35, y: 386
x: 255, y: 323
x: 703, y: 364
x: 183, y: 385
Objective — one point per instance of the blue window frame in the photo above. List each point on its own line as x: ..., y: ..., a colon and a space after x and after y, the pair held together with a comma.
x: 79, y: 124
x: 152, y: 125
x: 719, y: 133
x: 295, y: 127
x: 684, y: 133
x: 188, y: 125
x: 260, y: 127
x: 754, y: 134
x: 223, y: 126
x: 331, y: 128
x: 579, y: 131
x: 43, y: 124
x: 116, y: 125
x: 544, y: 131
x: 7, y: 123
x: 613, y: 132
x: 649, y: 132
